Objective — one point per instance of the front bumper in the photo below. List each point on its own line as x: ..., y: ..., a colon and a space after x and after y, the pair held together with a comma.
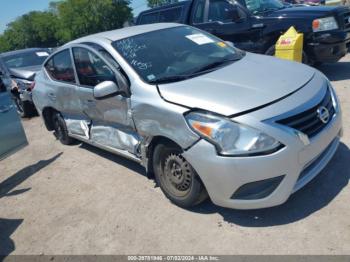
x: 223, y: 176
x: 328, y: 47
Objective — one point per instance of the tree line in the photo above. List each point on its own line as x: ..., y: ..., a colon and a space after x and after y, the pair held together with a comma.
x: 66, y: 20
x: 155, y: 3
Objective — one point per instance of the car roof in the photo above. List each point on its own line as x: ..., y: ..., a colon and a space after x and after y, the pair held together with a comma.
x: 22, y: 51
x: 114, y: 35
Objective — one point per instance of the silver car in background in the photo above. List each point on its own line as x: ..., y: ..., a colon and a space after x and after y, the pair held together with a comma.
x: 205, y: 118
x: 17, y: 72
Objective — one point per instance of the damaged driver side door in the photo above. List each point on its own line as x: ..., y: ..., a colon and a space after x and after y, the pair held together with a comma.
x: 110, y: 122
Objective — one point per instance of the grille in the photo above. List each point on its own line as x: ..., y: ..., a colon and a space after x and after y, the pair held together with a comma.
x: 309, y: 122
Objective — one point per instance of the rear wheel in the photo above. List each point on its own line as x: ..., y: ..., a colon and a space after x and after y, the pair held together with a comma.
x: 272, y: 50
x: 176, y: 177
x: 60, y: 129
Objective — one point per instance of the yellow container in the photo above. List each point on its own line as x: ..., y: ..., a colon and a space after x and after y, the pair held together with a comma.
x: 290, y: 45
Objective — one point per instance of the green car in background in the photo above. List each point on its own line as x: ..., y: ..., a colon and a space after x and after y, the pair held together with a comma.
x: 12, y: 136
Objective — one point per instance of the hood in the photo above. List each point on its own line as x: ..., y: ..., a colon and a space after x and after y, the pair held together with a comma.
x: 254, y: 81
x: 27, y: 73
x: 305, y: 12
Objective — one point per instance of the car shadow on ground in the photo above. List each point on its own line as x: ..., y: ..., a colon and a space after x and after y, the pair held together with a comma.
x: 7, y: 186
x: 337, y: 71
x: 313, y: 197
x: 9, y: 226
x: 132, y: 165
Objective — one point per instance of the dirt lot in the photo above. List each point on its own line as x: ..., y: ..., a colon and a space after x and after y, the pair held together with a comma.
x: 80, y: 200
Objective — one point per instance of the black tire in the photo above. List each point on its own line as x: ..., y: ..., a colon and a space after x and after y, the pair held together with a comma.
x: 24, y: 108
x: 60, y: 129
x: 176, y: 177
x: 317, y: 64
x: 272, y: 50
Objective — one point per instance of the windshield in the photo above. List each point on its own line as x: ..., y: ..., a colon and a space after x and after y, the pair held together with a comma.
x: 26, y: 59
x: 260, y: 6
x: 173, y: 54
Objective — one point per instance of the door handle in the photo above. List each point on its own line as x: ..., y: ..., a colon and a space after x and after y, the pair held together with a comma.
x: 5, y: 109
x: 90, y: 102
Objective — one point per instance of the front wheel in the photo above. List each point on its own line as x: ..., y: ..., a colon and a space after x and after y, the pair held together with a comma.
x: 176, y: 177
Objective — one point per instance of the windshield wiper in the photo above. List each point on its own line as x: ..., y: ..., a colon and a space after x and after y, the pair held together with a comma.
x: 213, y: 65
x: 169, y: 79
x: 176, y: 78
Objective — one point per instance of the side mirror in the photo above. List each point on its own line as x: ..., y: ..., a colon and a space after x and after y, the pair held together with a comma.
x: 234, y: 14
x: 106, y: 89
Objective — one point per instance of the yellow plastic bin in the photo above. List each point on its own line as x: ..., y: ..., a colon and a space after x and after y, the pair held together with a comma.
x: 290, y: 45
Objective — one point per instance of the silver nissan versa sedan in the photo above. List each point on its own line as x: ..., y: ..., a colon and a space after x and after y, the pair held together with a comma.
x: 205, y: 118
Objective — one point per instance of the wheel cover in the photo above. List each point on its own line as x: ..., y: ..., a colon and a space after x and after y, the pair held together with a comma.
x: 58, y: 129
x: 177, y: 175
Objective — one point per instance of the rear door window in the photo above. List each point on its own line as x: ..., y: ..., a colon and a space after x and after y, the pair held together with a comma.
x: 91, y: 69
x: 60, y: 67
x: 171, y: 15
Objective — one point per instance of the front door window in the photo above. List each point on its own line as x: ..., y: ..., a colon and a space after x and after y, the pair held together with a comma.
x: 91, y: 69
x: 220, y: 10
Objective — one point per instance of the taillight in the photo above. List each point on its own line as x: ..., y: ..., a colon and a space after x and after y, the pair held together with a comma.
x: 31, y: 86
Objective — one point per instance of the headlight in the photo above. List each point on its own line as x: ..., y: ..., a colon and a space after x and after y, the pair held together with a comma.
x: 324, y: 24
x: 231, y: 138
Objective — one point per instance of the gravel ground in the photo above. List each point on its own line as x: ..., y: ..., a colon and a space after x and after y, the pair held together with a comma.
x: 56, y: 199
